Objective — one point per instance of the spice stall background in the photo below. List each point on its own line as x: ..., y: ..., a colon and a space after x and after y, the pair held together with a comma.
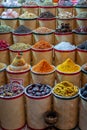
x: 37, y: 25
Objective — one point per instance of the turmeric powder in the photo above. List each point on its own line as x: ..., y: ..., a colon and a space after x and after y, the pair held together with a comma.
x: 68, y: 66
x: 43, y: 66
x: 42, y: 45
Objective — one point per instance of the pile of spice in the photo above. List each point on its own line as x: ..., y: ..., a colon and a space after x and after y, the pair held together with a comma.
x: 83, y: 45
x: 65, y: 15
x: 68, y: 66
x: 46, y: 14
x: 30, y: 3
x: 46, y: 3
x: 42, y: 45
x: 65, y: 89
x: 83, y: 91
x: 43, y: 67
x: 9, y: 13
x: 63, y: 28
x: 84, y: 67
x: 22, y: 30
x: 38, y: 90
x: 12, y: 3
x: 81, y: 29
x: 5, y: 29
x: 2, y: 65
x: 10, y: 90
x: 82, y: 3
x: 82, y: 15
x: 65, y: 3
x: 26, y: 15
x: 64, y: 46
x: 19, y: 47
x: 3, y: 44
x: 43, y: 30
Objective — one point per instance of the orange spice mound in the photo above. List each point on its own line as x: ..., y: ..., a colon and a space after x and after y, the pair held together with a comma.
x: 42, y: 45
x: 43, y: 66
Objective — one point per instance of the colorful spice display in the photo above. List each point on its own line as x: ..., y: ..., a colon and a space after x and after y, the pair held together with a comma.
x: 2, y: 65
x: 65, y: 89
x: 5, y: 29
x: 46, y: 14
x: 82, y: 15
x: 84, y: 91
x: 43, y: 67
x: 43, y: 30
x: 68, y: 66
x: 83, y: 45
x: 26, y: 14
x: 65, y: 15
x: 65, y: 3
x: 19, y: 46
x: 81, y: 29
x: 22, y: 30
x: 63, y: 28
x: 9, y: 13
x: 10, y: 90
x: 3, y: 44
x: 42, y: 45
x: 64, y: 46
x: 38, y: 90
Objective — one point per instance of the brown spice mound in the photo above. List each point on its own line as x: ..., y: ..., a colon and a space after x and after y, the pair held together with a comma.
x: 42, y: 45
x: 43, y: 66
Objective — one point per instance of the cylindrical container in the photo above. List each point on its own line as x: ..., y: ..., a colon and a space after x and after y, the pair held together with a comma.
x: 67, y: 109
x: 12, y: 117
x: 81, y: 22
x: 65, y: 8
x: 20, y: 77
x: 80, y: 9
x: 60, y: 37
x: 83, y: 112
x: 49, y: 37
x: 47, y: 22
x: 79, y: 37
x: 39, y: 54
x: 23, y: 38
x: 71, y: 22
x: 31, y: 9
x: 4, y: 56
x: 3, y: 75
x: 36, y: 106
x: 71, y: 77
x: 83, y: 75
x: 30, y: 23
x: 26, y: 55
x: 61, y: 55
x: 12, y: 22
x: 51, y: 9
x: 43, y: 78
x: 81, y: 56
x: 7, y: 37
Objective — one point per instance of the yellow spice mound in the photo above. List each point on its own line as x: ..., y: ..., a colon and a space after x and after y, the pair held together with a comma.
x: 68, y: 66
x: 43, y: 66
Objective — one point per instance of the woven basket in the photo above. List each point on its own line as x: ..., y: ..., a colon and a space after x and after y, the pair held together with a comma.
x: 23, y: 38
x: 21, y: 77
x: 60, y: 37
x: 31, y: 9
x: 81, y: 56
x: 43, y: 78
x: 11, y: 116
x: 39, y: 54
x: 1, y: 9
x: 4, y: 56
x: 30, y: 23
x: 35, y: 109
x: 83, y: 76
x: 47, y: 22
x: 80, y: 9
x: 3, y: 79
x: 81, y: 22
x: 67, y: 109
x: 61, y: 55
x: 7, y: 37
